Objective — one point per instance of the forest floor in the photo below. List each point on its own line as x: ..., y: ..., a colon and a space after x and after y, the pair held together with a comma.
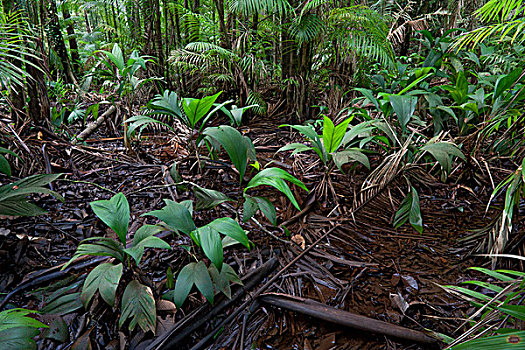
x: 363, y: 265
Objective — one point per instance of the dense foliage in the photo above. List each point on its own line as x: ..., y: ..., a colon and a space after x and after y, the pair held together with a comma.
x: 406, y: 93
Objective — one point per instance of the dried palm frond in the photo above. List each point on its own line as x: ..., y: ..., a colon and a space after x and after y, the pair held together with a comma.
x: 397, y: 34
x: 498, y: 232
x: 391, y: 167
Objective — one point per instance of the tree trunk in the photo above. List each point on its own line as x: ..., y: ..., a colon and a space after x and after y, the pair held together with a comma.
x: 38, y: 106
x: 73, y: 45
x: 57, y: 41
x: 158, y: 37
x: 225, y: 41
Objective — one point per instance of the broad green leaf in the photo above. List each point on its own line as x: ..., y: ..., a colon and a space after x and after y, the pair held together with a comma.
x: 459, y: 92
x: 409, y: 210
x: 333, y: 135
x: 20, y: 338
x: 443, y: 152
x: 13, y: 199
x: 275, y: 177
x: 139, y: 305
x: 63, y: 305
x: 252, y: 204
x: 237, y: 113
x: 176, y: 216
x: 116, y: 57
x: 231, y: 228
x: 295, y: 147
x: 370, y: 97
x: 509, y: 341
x: 193, y: 274
x: 166, y: 104
x: 233, y: 143
x: 209, y: 199
x: 222, y: 279
x: 211, y: 244
x: 351, y: 154
x: 5, y: 168
x: 517, y: 311
x: 14, y: 318
x: 404, y: 107
x: 114, y: 212
x: 505, y: 82
x: 196, y: 109
x: 249, y: 208
x: 267, y: 208
x: 144, y: 238
x: 364, y: 128
x: 311, y: 134
x: 105, y: 279
x: 101, y: 246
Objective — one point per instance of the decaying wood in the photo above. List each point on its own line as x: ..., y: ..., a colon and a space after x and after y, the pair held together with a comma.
x: 327, y: 313
x: 94, y: 125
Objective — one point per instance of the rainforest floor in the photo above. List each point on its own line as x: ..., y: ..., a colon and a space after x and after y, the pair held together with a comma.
x: 363, y: 265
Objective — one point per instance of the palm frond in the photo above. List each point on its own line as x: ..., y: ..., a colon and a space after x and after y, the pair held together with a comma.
x: 362, y: 31
x: 251, y: 7
x: 509, y: 22
x: 307, y: 28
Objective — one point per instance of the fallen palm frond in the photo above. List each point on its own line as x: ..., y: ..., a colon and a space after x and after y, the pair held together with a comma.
x: 498, y: 233
x: 379, y: 179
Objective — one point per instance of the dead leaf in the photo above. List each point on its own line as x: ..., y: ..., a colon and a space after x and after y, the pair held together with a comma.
x: 299, y: 240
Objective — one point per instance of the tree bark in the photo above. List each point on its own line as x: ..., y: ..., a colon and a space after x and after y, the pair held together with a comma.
x: 73, y: 45
x: 57, y: 41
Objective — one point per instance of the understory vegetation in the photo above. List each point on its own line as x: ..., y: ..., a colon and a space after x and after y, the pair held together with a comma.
x: 157, y: 156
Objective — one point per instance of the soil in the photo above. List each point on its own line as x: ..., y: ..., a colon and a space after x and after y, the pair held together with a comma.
x: 364, y: 265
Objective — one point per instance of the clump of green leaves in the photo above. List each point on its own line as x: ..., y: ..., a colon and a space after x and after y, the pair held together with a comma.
x: 17, y: 329
x: 212, y: 238
x: 497, y: 323
x: 241, y: 151
x: 13, y: 196
x: 192, y: 112
x: 332, y: 145
x: 138, y: 303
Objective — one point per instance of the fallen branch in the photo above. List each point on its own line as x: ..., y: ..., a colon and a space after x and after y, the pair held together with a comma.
x: 327, y: 313
x: 94, y: 125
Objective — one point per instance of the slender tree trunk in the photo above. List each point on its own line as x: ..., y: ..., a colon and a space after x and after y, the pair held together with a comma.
x: 158, y: 37
x: 88, y: 25
x: 225, y: 41
x: 38, y: 106
x: 115, y: 25
x: 73, y: 45
x: 57, y: 41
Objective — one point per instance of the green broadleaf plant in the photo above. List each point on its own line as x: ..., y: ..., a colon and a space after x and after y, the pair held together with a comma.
x: 17, y: 330
x: 13, y: 196
x: 410, y: 211
x: 332, y: 144
x: 105, y: 278
x: 178, y: 217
